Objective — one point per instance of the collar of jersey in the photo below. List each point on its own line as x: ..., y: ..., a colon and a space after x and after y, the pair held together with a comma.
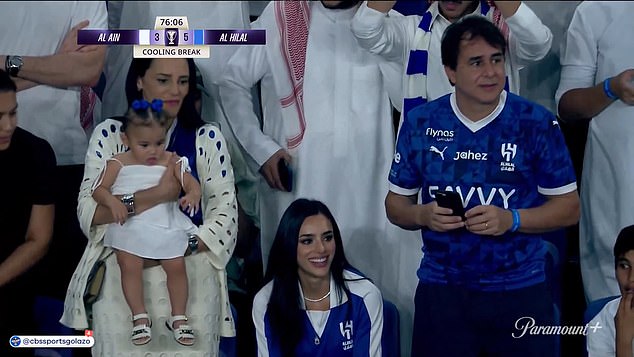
x: 475, y: 126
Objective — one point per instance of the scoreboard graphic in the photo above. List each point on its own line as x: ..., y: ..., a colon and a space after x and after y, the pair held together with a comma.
x: 171, y: 38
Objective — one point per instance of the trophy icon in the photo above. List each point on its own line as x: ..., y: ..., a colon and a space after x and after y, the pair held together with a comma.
x: 171, y: 37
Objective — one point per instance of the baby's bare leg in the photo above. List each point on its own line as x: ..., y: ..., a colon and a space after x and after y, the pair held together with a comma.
x: 177, y: 286
x: 132, y: 283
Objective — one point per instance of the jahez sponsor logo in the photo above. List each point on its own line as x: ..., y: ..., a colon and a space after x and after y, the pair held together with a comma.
x: 470, y: 155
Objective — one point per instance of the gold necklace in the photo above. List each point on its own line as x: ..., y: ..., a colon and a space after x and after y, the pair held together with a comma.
x: 317, y: 300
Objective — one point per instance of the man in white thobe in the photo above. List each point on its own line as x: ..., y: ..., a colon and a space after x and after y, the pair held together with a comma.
x: 597, y: 81
x: 415, y: 41
x: 327, y: 113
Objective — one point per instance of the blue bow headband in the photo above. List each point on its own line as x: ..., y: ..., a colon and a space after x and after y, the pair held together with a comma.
x: 142, y: 104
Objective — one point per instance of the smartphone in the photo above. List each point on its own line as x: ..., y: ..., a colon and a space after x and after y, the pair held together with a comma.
x: 450, y: 199
x: 286, y: 175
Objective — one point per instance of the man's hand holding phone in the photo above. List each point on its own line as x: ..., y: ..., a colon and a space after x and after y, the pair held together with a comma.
x: 442, y: 219
x: 271, y: 171
x: 451, y: 200
x: 286, y: 175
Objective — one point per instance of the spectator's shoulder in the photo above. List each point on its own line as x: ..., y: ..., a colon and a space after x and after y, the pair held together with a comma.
x: 210, y: 133
x: 592, y: 6
x: 360, y: 285
x: 38, y: 150
x: 394, y: 13
x: 111, y: 125
x: 33, y: 142
x: 601, y: 12
x: 263, y: 296
x: 431, y: 108
x: 207, y: 127
x: 528, y: 110
x: 267, y: 13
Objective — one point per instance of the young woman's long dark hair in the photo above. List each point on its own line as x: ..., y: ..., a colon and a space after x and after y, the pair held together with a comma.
x: 188, y: 117
x: 284, y: 307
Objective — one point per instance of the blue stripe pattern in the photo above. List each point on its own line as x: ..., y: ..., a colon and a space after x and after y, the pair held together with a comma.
x: 484, y: 8
x: 417, y: 62
x: 425, y: 22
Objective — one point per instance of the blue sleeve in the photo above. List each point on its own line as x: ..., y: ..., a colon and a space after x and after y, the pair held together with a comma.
x: 405, y: 174
x: 555, y: 172
x: 260, y: 318
x: 370, y: 330
x: 367, y: 304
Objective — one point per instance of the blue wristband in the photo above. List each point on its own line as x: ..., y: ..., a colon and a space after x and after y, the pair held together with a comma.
x: 516, y: 220
x: 607, y: 91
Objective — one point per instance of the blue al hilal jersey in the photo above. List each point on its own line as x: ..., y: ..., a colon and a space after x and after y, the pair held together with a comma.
x: 352, y: 328
x: 512, y: 158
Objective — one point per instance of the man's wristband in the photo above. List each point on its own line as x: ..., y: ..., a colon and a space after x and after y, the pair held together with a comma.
x: 516, y: 220
x: 607, y: 91
x: 128, y: 202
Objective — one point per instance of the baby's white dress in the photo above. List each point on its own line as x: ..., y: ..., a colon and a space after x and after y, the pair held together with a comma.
x: 160, y: 232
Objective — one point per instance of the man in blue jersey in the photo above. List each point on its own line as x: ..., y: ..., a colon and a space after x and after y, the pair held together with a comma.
x: 507, y: 160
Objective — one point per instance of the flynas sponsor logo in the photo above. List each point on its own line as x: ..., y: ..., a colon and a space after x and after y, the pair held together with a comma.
x: 470, y: 155
x: 439, y: 135
x: 483, y: 197
x: 439, y: 152
x: 345, y: 327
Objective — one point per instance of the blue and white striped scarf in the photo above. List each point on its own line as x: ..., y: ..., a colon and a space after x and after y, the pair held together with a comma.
x: 416, y: 81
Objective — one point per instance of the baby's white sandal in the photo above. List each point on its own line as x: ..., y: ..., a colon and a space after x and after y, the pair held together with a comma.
x: 183, y: 334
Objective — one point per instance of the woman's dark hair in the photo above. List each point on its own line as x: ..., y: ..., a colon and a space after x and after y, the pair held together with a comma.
x: 284, y: 307
x: 188, y: 117
x: 465, y: 29
x: 6, y: 83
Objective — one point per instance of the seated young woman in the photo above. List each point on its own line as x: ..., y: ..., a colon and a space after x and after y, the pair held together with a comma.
x: 315, y: 303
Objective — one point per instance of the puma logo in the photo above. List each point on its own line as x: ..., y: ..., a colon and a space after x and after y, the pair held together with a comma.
x: 435, y: 150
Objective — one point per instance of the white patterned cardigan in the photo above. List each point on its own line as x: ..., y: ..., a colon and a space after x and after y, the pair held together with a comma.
x: 219, y: 205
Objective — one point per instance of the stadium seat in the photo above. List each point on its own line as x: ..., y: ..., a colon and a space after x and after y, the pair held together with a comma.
x: 47, y: 312
x: 391, y: 339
